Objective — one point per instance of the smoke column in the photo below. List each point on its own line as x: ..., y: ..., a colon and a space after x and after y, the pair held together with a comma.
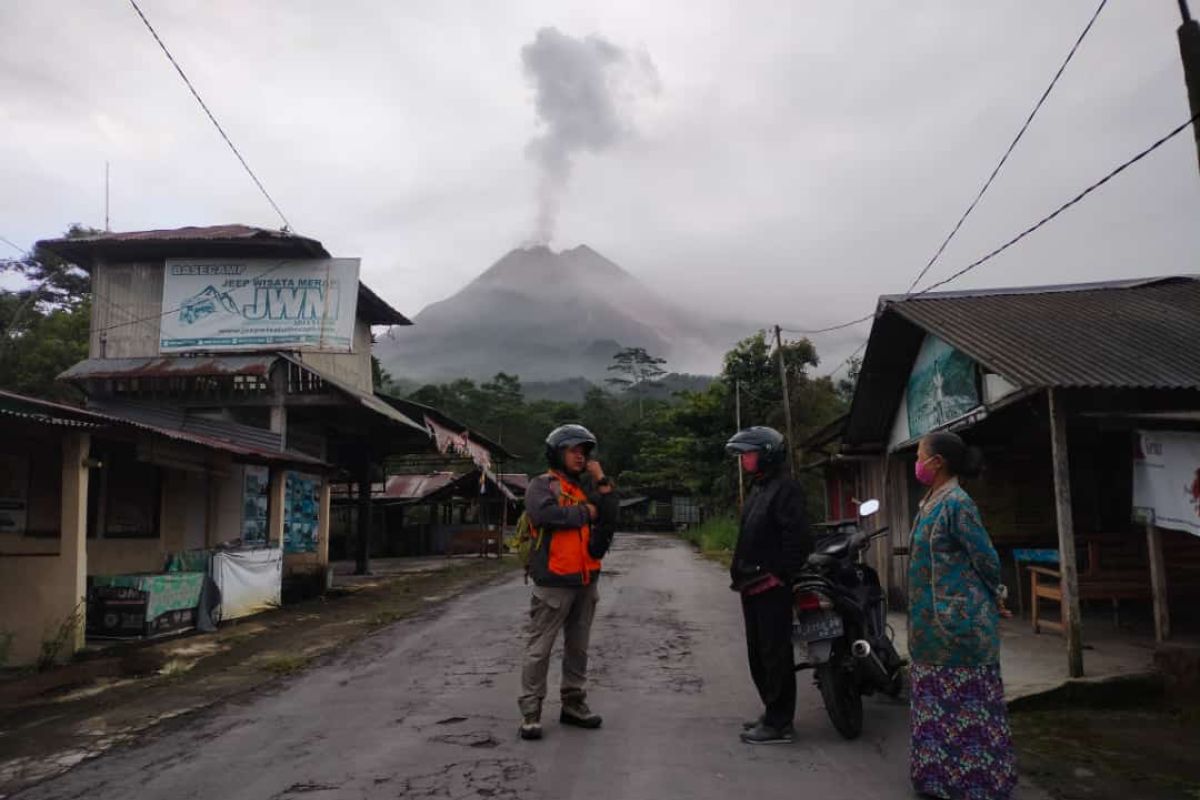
x: 584, y: 90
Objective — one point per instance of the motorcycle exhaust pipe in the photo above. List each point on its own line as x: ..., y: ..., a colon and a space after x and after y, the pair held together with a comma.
x: 863, y: 652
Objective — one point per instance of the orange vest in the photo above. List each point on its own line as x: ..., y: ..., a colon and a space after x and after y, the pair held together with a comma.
x: 562, y: 558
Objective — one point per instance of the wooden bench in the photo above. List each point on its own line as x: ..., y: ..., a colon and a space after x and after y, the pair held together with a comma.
x: 1123, y: 575
x: 480, y: 541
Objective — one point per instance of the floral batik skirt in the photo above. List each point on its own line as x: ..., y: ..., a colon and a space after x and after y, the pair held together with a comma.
x: 961, y: 745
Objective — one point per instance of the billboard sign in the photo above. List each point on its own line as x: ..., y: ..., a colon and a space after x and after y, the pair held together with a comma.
x: 213, y: 304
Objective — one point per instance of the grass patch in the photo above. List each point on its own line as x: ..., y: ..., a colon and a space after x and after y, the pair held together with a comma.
x: 283, y: 663
x: 715, y: 538
x: 1144, y: 750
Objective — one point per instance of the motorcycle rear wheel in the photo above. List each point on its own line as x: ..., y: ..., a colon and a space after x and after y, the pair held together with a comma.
x: 842, y: 698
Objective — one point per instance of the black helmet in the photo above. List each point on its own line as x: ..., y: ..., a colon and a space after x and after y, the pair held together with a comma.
x: 567, y: 436
x: 767, y: 441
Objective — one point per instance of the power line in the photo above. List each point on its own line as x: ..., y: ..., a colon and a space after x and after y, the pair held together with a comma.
x: 986, y: 185
x: 1012, y: 146
x: 1032, y: 228
x: 831, y: 328
x: 220, y: 130
x: 1046, y: 219
x: 846, y: 361
x: 10, y: 244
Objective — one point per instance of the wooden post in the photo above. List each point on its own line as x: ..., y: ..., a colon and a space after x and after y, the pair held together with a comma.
x: 1158, y: 583
x: 363, y: 560
x: 279, y: 388
x: 275, y: 503
x: 1189, y: 51
x: 737, y: 462
x: 787, y: 404
x: 323, y: 512
x: 1066, y: 535
x: 73, y: 544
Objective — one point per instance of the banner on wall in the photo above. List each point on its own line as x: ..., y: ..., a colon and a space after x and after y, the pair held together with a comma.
x: 1166, y: 478
x: 212, y: 304
x: 301, y: 513
x: 941, y: 387
x: 256, y: 484
x: 250, y: 581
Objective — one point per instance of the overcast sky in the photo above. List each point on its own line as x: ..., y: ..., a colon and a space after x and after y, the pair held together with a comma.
x: 797, y: 160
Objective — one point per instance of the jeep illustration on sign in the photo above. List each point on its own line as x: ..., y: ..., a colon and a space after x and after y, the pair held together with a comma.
x: 248, y: 304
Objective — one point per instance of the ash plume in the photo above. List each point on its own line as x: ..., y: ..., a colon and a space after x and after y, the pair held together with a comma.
x: 585, y: 90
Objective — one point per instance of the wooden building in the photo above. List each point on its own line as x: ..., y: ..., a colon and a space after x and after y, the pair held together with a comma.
x: 1058, y: 385
x: 284, y: 390
x: 85, y: 495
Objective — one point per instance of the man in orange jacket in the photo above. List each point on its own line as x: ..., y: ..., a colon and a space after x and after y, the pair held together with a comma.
x: 574, y: 509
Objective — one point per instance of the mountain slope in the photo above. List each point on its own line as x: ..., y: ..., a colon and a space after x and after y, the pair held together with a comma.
x: 546, y: 316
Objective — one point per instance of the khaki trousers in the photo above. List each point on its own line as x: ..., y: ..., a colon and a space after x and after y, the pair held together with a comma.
x: 570, y: 610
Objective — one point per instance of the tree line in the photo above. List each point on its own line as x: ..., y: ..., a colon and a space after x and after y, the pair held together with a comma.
x: 650, y: 442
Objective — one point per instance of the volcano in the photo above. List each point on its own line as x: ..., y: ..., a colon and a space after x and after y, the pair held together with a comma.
x: 545, y: 316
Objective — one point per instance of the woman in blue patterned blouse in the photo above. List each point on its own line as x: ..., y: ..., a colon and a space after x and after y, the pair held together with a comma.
x: 961, y: 745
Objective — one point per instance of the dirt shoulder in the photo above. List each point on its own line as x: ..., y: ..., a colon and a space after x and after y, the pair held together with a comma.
x: 120, y: 696
x: 1137, y: 744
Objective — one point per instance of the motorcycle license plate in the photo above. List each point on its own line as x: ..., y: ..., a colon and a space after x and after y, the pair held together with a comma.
x: 815, y: 626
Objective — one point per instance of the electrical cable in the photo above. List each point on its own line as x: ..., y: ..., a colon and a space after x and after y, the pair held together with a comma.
x: 203, y: 105
x: 1012, y: 146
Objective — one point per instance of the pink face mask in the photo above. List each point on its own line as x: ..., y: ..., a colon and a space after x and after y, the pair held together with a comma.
x: 750, y: 461
x: 925, y: 475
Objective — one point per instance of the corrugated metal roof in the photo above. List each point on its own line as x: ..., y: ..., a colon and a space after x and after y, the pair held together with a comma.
x: 374, y: 310
x: 370, y: 401
x: 517, y: 481
x: 170, y: 366
x: 236, y: 440
x: 1131, y: 336
x: 416, y: 410
x: 415, y: 487
x: 177, y: 242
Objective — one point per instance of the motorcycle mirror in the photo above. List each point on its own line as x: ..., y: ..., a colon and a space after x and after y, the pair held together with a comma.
x: 868, y: 507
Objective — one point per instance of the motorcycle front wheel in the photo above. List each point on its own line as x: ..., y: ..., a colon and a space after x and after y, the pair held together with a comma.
x: 839, y: 692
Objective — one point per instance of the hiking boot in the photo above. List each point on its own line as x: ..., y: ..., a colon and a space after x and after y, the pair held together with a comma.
x: 768, y: 734
x: 751, y: 724
x: 531, y: 727
x: 575, y: 712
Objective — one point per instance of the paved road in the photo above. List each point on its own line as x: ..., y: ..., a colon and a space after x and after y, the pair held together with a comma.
x: 427, y: 709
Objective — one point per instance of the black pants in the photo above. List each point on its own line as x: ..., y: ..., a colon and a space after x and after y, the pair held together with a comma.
x: 769, y: 645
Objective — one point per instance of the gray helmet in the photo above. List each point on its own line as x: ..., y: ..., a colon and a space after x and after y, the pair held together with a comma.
x: 766, y: 441
x: 565, y: 436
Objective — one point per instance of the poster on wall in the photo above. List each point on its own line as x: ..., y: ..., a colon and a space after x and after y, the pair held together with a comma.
x: 941, y: 387
x: 301, y: 510
x: 238, y: 304
x: 1166, y: 478
x: 14, y: 493
x: 256, y: 484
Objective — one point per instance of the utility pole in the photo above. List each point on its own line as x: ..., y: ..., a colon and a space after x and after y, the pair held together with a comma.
x: 106, y: 226
x: 787, y: 403
x: 1189, y: 51
x: 737, y: 420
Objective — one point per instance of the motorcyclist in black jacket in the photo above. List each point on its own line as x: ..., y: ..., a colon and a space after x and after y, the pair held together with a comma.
x: 773, y: 544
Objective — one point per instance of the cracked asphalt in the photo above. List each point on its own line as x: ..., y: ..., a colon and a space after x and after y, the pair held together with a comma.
x: 426, y: 708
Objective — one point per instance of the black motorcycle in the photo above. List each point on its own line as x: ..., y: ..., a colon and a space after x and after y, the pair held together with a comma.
x: 841, y: 620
